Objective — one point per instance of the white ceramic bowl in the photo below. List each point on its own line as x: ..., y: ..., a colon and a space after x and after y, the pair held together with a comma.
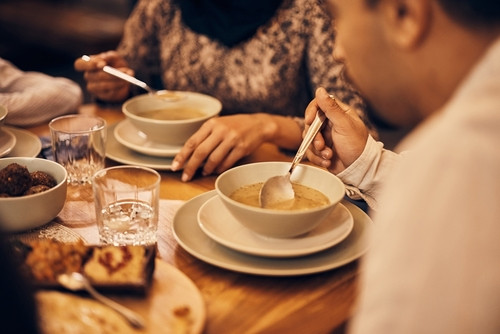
x: 30, y: 211
x: 170, y: 132
x: 279, y: 223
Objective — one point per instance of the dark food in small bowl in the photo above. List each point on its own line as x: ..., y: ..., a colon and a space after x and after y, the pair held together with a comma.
x: 33, y: 192
x: 16, y: 180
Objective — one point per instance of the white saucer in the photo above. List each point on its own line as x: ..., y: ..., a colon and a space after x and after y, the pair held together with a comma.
x: 27, y: 143
x: 128, y: 135
x: 118, y: 152
x: 191, y: 238
x: 7, y: 141
x: 216, y: 221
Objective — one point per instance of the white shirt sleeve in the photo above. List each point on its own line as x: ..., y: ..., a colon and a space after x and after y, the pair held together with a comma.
x: 32, y: 97
x: 364, y: 177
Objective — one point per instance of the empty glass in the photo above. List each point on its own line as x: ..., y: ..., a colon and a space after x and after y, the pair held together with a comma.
x: 79, y: 144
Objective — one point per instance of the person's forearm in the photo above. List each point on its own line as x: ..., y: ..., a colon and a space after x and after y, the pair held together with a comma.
x: 40, y: 99
x: 282, y: 131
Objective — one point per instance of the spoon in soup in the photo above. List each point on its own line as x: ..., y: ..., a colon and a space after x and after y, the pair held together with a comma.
x: 164, y: 94
x: 278, y: 189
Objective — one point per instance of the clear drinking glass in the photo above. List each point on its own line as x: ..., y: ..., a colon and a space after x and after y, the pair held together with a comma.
x: 127, y: 205
x: 79, y: 144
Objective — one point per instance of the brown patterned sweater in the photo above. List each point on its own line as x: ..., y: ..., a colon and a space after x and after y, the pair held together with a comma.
x: 275, y: 71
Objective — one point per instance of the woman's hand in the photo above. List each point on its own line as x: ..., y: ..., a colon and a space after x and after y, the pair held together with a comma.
x: 101, y: 84
x: 222, y: 141
x: 342, y: 139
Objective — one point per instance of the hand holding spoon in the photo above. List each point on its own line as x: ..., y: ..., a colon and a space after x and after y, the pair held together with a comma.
x: 124, y: 76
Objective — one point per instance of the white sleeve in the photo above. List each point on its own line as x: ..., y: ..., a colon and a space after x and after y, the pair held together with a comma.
x: 32, y: 98
x: 364, y: 177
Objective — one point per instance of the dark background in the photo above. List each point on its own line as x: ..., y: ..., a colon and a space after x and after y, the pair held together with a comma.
x: 48, y: 35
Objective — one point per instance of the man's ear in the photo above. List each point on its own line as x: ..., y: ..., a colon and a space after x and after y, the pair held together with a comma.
x: 406, y: 21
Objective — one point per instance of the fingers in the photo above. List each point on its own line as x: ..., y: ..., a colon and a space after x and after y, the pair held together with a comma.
x: 214, y: 156
x: 332, y: 107
x: 217, y: 146
x: 195, y: 151
x: 102, y: 85
x: 311, y: 111
x: 90, y: 63
x: 316, y: 158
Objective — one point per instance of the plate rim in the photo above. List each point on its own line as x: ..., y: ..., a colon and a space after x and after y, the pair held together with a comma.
x: 157, y: 152
x: 35, y: 145
x: 248, y: 264
x: 10, y: 146
x: 279, y: 253
x: 131, y: 157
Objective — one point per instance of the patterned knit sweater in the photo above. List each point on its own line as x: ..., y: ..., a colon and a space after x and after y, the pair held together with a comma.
x: 276, y: 71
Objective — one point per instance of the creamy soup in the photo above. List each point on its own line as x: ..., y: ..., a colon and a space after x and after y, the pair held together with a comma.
x: 171, y: 114
x: 305, y: 197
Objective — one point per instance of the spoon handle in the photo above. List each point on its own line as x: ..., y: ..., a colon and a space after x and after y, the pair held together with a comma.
x: 124, y: 76
x: 308, y: 138
x: 135, y: 320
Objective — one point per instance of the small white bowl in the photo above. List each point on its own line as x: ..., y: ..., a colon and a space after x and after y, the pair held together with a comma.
x: 170, y: 132
x: 30, y: 211
x: 279, y: 223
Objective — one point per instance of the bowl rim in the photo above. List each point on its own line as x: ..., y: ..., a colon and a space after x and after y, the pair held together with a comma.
x: 50, y: 162
x: 276, y: 211
x: 4, y: 112
x: 148, y: 120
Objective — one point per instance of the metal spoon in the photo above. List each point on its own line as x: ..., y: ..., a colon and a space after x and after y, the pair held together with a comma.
x: 76, y: 282
x: 164, y: 94
x: 278, y: 189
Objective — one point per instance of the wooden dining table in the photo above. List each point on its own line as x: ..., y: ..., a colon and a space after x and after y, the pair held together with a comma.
x: 238, y: 302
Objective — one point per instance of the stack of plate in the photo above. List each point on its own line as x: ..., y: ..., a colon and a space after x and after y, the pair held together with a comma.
x: 205, y: 229
x: 16, y: 142
x: 128, y: 145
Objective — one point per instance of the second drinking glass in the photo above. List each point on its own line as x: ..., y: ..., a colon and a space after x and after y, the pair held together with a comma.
x: 79, y: 144
x: 127, y: 205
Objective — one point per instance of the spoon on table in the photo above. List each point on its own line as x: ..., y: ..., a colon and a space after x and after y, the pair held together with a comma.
x: 164, y: 94
x: 278, y: 189
x: 76, y: 282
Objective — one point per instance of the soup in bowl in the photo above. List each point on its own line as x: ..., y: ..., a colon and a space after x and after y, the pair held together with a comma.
x: 238, y: 189
x: 170, y: 120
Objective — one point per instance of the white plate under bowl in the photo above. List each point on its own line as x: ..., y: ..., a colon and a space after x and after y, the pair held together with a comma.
x: 27, y: 144
x: 7, y: 141
x: 128, y: 135
x: 117, y: 152
x: 216, y: 221
x: 192, y: 239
